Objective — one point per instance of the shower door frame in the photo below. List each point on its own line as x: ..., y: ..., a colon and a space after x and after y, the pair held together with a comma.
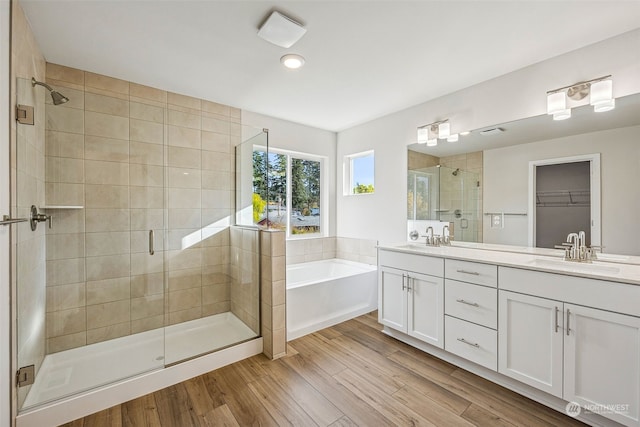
x: 5, y: 206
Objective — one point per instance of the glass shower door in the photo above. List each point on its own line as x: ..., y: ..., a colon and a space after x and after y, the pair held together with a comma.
x: 90, y: 291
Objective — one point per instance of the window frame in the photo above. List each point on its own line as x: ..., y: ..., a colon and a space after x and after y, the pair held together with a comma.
x: 348, y: 168
x: 324, y: 196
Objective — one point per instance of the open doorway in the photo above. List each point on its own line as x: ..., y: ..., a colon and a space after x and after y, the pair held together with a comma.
x: 564, y: 197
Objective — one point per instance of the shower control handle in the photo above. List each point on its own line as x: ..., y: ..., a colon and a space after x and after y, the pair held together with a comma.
x: 38, y: 217
x: 151, y: 239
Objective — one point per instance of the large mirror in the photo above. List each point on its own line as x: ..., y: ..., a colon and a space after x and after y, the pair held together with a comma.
x: 525, y: 183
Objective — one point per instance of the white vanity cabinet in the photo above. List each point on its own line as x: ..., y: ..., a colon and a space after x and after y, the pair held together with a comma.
x: 552, y: 340
x: 411, y: 295
x: 471, y: 311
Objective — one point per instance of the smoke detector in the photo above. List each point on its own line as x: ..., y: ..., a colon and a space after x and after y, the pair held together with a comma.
x: 281, y: 30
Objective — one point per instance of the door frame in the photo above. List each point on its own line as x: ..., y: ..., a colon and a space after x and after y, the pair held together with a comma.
x: 594, y: 187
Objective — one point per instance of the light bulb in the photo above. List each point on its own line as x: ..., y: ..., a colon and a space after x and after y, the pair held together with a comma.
x: 605, y: 106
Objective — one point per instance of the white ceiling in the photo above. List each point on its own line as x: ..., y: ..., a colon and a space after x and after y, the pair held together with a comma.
x: 364, y: 59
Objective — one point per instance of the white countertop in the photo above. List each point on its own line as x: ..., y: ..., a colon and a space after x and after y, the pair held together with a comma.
x: 538, y: 259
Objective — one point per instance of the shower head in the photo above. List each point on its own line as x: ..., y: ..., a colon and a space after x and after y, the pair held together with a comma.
x: 56, y: 96
x: 455, y: 172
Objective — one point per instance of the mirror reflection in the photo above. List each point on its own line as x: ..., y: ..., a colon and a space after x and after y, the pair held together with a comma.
x: 597, y: 190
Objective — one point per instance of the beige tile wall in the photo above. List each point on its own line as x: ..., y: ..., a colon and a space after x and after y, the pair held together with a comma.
x: 273, y: 292
x: 136, y: 159
x: 306, y: 250
x: 27, y: 187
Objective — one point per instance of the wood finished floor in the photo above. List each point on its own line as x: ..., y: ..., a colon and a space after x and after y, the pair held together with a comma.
x: 347, y: 375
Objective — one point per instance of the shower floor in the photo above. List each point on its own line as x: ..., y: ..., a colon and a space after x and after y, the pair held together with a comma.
x: 72, y: 371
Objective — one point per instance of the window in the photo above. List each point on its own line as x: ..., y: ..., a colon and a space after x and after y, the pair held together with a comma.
x: 292, y: 196
x: 359, y: 173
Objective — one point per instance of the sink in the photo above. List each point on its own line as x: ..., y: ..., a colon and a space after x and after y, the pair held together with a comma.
x: 576, y: 267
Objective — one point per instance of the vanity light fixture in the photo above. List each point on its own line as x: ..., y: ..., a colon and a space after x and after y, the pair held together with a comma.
x: 430, y: 133
x: 453, y: 138
x: 292, y: 61
x: 600, y: 93
x: 465, y: 133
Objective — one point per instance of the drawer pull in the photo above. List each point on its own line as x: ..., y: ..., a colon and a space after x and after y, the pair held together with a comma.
x: 474, y: 304
x: 476, y: 345
x: 475, y: 273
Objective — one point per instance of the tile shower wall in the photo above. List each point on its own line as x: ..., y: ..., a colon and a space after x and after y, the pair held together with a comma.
x: 471, y: 162
x: 306, y: 250
x: 27, y: 188
x: 134, y: 159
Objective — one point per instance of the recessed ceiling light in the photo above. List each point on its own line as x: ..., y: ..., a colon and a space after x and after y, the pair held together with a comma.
x: 281, y: 30
x: 292, y: 61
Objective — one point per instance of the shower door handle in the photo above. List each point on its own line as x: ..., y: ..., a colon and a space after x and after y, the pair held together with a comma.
x: 7, y: 220
x: 151, y: 239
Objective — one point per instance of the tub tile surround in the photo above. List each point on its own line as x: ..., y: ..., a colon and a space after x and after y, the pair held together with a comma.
x: 316, y: 249
x: 273, y: 292
x: 138, y: 158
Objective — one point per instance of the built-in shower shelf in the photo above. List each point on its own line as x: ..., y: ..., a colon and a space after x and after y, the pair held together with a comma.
x: 62, y: 207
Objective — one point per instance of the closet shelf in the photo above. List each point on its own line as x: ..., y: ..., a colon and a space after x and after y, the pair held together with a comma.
x: 565, y: 198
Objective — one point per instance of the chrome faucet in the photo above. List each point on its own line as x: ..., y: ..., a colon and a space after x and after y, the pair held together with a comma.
x: 446, y: 240
x: 575, y: 249
x: 429, y: 236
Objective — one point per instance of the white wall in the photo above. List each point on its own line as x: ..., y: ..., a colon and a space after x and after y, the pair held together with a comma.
x: 517, y: 95
x: 304, y: 139
x: 620, y: 175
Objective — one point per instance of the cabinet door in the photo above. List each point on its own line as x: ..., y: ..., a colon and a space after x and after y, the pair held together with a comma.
x: 392, y: 298
x: 530, y: 340
x: 426, y: 308
x: 602, y: 362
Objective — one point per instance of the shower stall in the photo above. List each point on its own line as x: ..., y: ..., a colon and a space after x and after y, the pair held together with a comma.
x: 135, y: 263
x: 446, y: 194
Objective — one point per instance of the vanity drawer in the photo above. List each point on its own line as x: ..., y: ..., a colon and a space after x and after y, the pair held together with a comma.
x: 471, y: 272
x: 410, y: 262
x: 477, y: 304
x: 472, y: 342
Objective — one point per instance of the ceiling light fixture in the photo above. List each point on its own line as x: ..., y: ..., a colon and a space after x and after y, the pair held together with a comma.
x: 600, y: 93
x: 292, y: 61
x: 430, y: 133
x: 281, y: 30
